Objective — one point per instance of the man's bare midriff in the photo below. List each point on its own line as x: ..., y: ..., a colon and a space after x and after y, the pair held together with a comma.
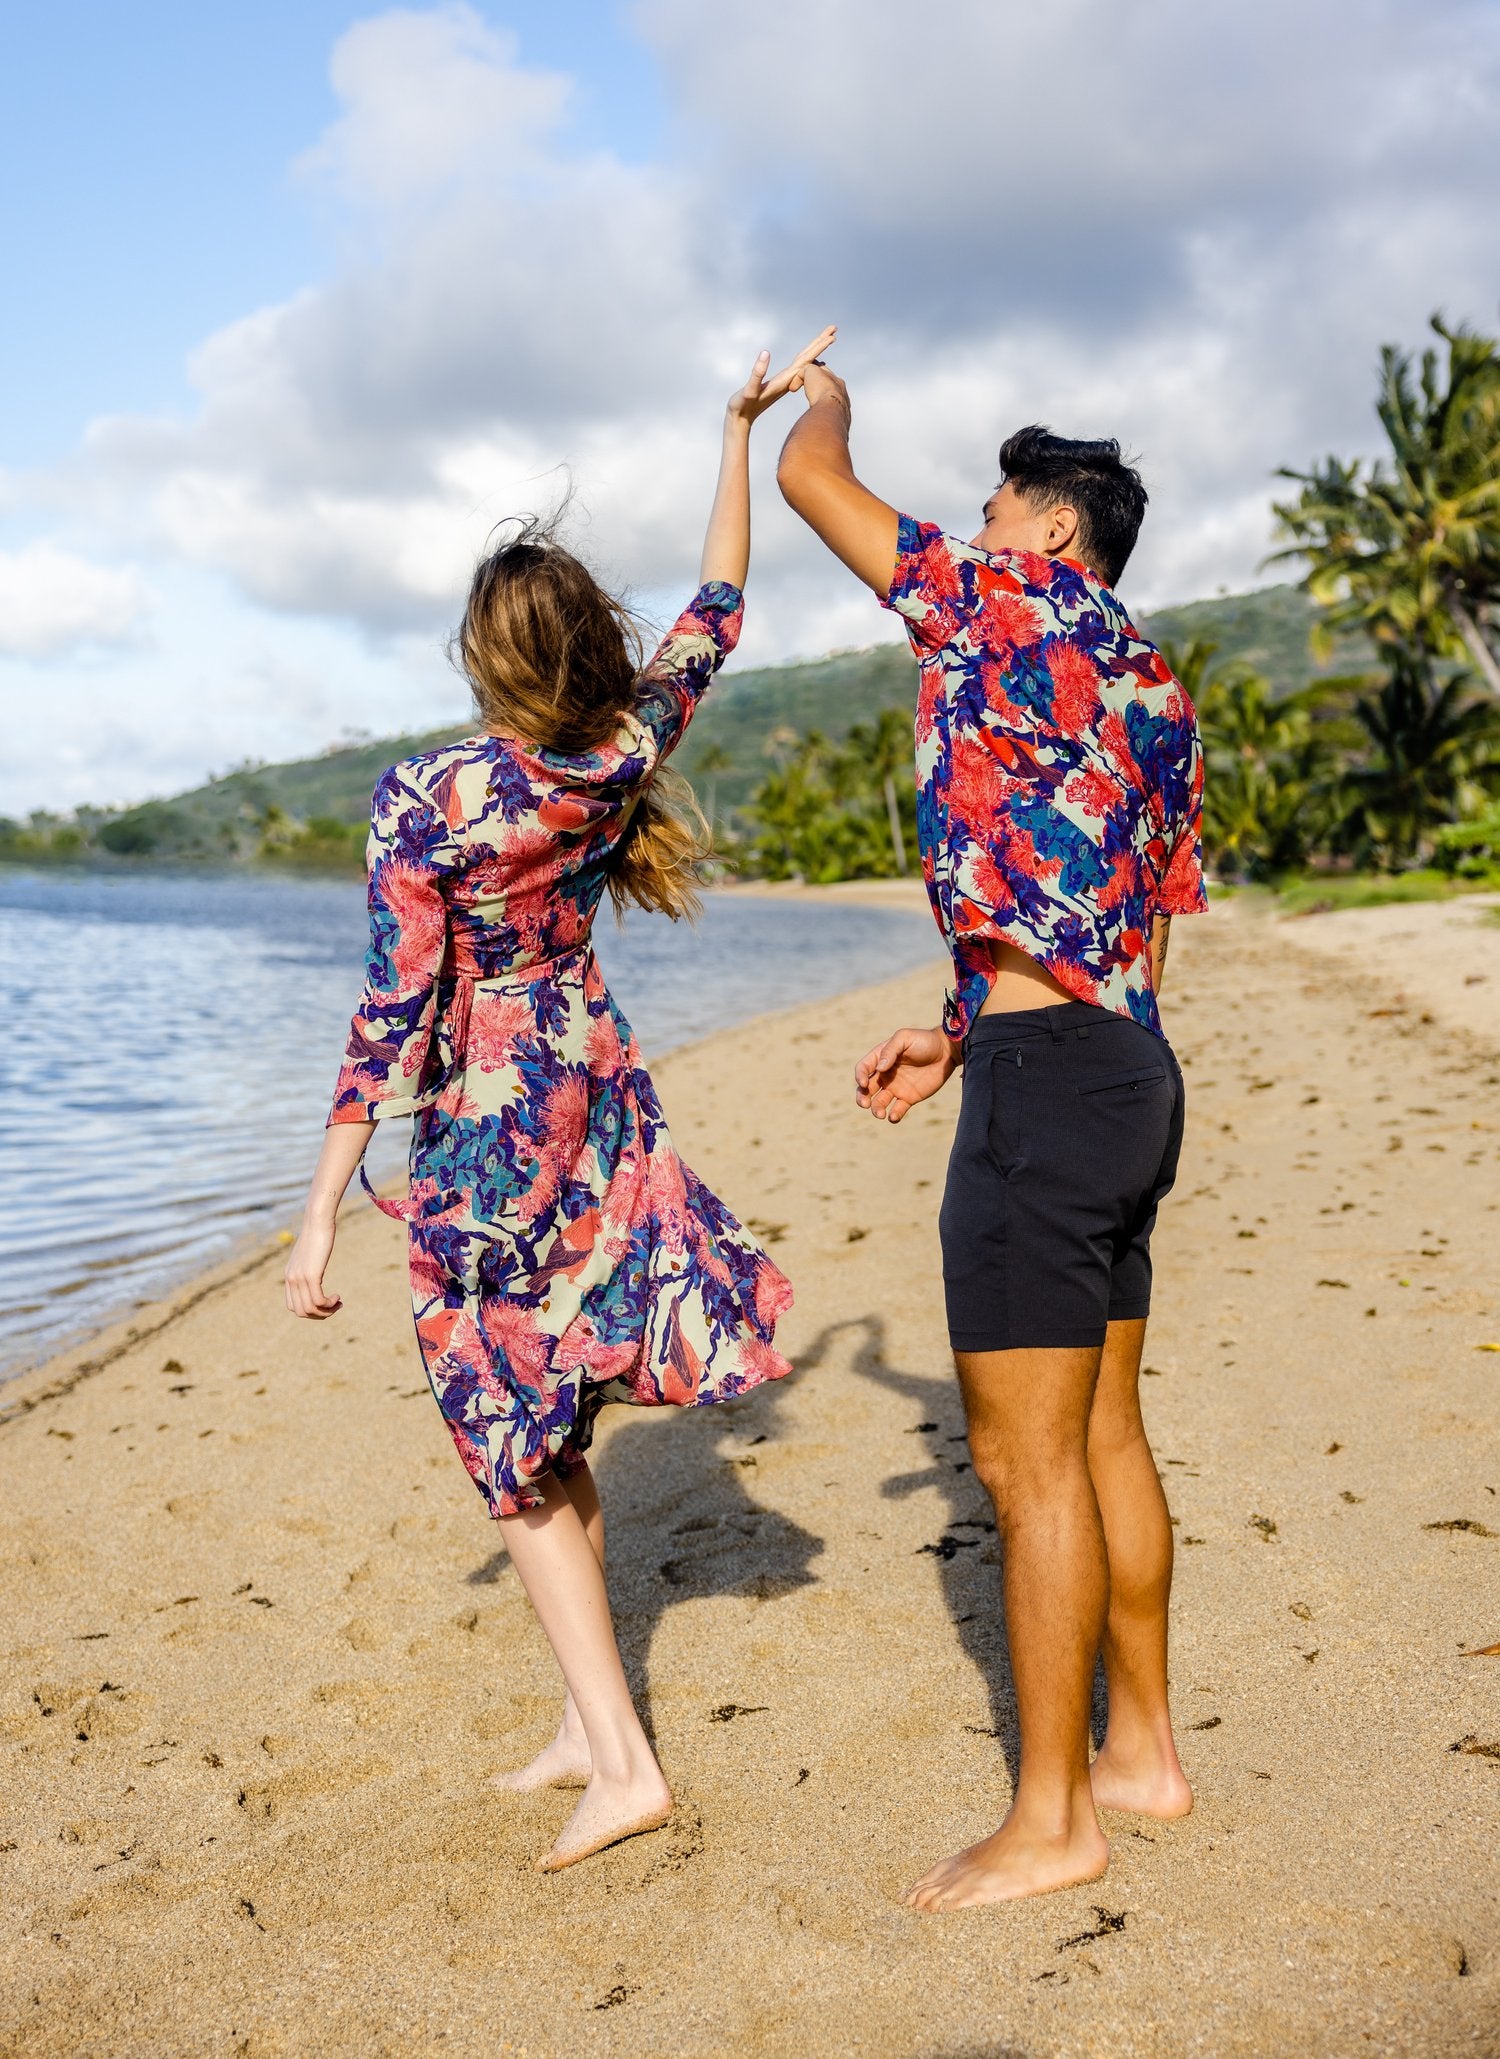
x: 1021, y: 983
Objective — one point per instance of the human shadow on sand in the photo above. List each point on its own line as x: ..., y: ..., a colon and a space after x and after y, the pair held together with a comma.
x: 682, y: 1523
x: 963, y: 1536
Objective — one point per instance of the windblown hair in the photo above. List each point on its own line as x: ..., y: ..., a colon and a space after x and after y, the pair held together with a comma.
x: 555, y: 660
x: 1094, y: 478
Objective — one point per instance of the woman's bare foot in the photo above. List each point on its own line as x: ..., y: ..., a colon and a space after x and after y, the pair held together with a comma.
x: 564, y: 1763
x: 1015, y: 1862
x: 1147, y: 1784
x: 609, y: 1811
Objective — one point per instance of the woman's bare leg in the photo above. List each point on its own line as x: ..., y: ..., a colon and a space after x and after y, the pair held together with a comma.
x: 1137, y: 1766
x: 565, y: 1762
x: 560, y: 1570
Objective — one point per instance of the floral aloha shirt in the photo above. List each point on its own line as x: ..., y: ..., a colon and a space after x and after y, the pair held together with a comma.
x: 561, y: 1254
x: 1059, y: 772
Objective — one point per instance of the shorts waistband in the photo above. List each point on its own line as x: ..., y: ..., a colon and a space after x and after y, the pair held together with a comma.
x: 1065, y: 1018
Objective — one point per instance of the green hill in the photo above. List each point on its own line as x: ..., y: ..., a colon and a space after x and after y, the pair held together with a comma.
x: 311, y: 811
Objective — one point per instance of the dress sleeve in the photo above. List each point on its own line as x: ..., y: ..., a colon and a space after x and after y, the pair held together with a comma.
x: 927, y: 586
x: 1183, y: 891
x: 689, y: 655
x: 390, y: 1038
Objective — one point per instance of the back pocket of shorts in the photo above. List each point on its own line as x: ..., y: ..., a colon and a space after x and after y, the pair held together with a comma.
x: 1119, y: 1084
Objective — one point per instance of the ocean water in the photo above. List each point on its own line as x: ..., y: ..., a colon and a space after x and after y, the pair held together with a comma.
x: 171, y: 1040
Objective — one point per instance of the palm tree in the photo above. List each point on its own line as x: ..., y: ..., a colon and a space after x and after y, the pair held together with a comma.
x: 886, y: 751
x: 711, y: 762
x: 1434, y: 752
x: 1410, y: 547
x: 1267, y: 767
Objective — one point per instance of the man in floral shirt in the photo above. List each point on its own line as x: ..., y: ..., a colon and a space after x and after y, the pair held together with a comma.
x: 1059, y: 790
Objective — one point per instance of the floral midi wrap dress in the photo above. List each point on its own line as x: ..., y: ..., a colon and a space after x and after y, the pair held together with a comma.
x: 561, y: 1253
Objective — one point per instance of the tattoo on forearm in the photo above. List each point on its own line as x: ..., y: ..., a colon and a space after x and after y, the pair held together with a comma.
x: 1161, y: 937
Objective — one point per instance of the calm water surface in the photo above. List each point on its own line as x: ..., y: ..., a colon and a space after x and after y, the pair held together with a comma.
x: 172, y: 1040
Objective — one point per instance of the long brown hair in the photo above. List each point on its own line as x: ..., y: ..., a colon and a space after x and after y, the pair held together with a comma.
x: 555, y: 660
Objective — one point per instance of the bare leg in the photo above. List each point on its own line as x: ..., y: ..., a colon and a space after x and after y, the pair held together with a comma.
x: 565, y: 1762
x: 1028, y: 1431
x: 564, y: 1581
x: 1137, y: 1767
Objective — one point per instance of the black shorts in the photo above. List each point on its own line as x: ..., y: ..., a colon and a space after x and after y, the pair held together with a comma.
x: 1067, y: 1140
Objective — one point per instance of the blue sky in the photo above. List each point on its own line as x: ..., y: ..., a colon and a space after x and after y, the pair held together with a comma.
x: 146, y: 195
x: 301, y: 299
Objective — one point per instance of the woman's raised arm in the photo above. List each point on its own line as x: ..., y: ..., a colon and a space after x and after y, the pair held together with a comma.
x: 726, y: 546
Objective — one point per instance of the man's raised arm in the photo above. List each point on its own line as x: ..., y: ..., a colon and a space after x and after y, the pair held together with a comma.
x: 817, y: 479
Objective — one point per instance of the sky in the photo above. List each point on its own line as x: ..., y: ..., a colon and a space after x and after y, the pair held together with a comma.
x: 302, y: 299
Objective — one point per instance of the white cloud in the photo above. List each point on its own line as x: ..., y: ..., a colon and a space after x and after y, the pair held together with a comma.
x: 1190, y: 225
x: 430, y: 98
x: 53, y: 602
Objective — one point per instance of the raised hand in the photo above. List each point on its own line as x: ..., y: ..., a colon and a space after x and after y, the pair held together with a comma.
x: 764, y: 387
x: 908, y: 1067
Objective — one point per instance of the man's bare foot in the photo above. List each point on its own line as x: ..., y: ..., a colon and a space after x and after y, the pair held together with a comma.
x: 1013, y: 1863
x: 609, y: 1811
x: 1145, y: 1786
x: 564, y: 1763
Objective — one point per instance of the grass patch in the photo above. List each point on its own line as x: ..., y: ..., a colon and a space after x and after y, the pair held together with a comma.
x: 1322, y: 893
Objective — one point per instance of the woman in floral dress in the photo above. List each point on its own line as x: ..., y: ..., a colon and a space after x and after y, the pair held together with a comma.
x: 561, y: 1253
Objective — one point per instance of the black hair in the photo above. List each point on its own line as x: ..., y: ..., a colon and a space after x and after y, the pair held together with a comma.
x: 1093, y: 478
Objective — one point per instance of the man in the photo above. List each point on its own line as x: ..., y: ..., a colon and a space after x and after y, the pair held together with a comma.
x: 1059, y: 790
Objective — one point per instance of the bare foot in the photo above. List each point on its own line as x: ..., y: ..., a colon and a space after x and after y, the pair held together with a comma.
x: 1013, y: 1863
x: 564, y: 1763
x: 609, y: 1811
x: 1146, y: 1786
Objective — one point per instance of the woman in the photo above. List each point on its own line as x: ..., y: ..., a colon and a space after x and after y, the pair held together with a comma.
x: 561, y: 1253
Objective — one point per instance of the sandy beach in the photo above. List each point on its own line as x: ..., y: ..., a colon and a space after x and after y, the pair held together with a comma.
x: 262, y: 1651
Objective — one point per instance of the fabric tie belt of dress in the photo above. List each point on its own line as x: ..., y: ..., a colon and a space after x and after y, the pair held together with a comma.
x: 467, y: 965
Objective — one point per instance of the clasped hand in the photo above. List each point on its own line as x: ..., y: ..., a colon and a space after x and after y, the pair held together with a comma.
x: 764, y: 387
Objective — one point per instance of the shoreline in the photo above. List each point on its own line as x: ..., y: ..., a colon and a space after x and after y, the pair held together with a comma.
x: 1437, y: 939
x: 243, y: 1224
x: 264, y: 1650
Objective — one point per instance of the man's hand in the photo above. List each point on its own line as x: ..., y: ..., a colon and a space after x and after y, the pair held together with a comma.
x: 818, y: 383
x: 817, y: 480
x: 907, y: 1068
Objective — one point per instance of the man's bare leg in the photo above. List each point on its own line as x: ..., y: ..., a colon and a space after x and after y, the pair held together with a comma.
x: 565, y: 1762
x: 1137, y: 1767
x: 1028, y: 1415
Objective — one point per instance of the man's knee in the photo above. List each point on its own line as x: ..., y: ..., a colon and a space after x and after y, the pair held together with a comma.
x: 1017, y: 1470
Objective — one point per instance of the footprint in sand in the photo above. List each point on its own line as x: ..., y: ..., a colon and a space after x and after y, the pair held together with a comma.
x: 267, y: 1801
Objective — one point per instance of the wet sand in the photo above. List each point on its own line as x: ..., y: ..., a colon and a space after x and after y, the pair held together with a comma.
x: 262, y: 1650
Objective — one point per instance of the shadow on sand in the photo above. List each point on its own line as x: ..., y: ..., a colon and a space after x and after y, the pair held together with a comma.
x: 965, y: 1544
x: 681, y: 1523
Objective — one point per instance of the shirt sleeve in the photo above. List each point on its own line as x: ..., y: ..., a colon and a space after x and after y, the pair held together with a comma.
x: 686, y: 660
x: 927, y: 587
x: 1183, y: 891
x: 390, y: 1038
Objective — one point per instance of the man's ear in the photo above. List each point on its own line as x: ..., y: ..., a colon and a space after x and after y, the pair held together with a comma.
x: 1062, y: 530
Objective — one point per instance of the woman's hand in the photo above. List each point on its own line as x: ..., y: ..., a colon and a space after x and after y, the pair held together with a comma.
x: 305, y: 1292
x: 907, y: 1068
x: 764, y: 387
